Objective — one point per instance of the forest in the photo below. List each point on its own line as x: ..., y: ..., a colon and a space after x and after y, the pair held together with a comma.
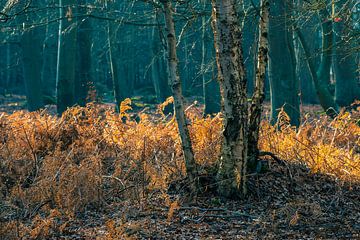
x: 179, y: 119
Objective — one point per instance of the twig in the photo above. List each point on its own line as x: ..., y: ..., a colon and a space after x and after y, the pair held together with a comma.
x: 115, y: 178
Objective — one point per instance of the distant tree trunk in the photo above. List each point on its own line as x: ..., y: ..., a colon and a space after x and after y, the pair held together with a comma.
x: 31, y: 45
x: 259, y: 91
x: 307, y: 88
x: 48, y: 72
x: 174, y: 78
x: 114, y: 69
x: 233, y: 162
x: 284, y: 84
x: 321, y: 75
x: 160, y: 82
x: 211, y: 91
x: 66, y: 60
x: 346, y: 64
x: 84, y: 54
x: 9, y: 67
x: 250, y: 32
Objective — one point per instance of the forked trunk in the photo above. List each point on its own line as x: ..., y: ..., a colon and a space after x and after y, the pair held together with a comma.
x: 231, y: 175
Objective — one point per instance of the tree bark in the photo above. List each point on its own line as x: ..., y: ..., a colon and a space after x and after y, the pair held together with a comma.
x: 160, y: 82
x: 31, y: 45
x: 210, y: 87
x: 284, y: 84
x: 259, y: 90
x: 175, y: 81
x: 231, y: 73
x: 345, y: 61
x: 84, y: 54
x: 321, y: 75
x: 48, y: 72
x: 66, y: 59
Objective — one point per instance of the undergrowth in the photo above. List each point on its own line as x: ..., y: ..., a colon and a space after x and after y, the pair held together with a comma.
x: 54, y: 168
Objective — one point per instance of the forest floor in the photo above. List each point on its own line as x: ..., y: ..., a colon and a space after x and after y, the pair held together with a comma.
x: 114, y: 180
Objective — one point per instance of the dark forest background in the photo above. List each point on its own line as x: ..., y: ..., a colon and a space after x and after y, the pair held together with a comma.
x: 67, y: 52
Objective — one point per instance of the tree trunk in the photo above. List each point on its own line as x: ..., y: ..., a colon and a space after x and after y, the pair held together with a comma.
x: 284, y: 84
x: 233, y: 162
x: 66, y: 59
x: 175, y: 81
x: 31, y: 45
x: 84, y: 54
x: 259, y: 91
x: 160, y: 82
x: 114, y: 69
x: 345, y: 63
x: 321, y: 75
x: 48, y: 72
x: 211, y: 91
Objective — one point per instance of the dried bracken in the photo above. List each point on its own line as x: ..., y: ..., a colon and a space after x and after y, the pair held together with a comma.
x: 53, y: 169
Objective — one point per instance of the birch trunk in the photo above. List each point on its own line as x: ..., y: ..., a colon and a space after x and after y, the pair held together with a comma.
x: 259, y: 91
x: 175, y: 81
x: 231, y: 73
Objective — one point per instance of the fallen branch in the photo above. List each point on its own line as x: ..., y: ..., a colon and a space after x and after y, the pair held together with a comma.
x: 273, y: 156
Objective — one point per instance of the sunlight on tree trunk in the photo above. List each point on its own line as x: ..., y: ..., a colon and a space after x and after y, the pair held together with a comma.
x: 175, y: 81
x: 231, y: 73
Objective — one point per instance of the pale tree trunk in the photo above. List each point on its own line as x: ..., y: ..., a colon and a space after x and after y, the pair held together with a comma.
x: 231, y: 175
x: 66, y: 59
x: 175, y: 81
x: 203, y: 55
x: 259, y: 91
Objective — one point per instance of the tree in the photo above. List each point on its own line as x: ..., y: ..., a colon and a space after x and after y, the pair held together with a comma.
x: 66, y: 59
x: 231, y: 175
x: 158, y: 67
x: 211, y: 91
x: 259, y: 90
x: 176, y: 88
x: 320, y: 73
x: 284, y: 84
x: 121, y: 88
x: 84, y: 30
x: 31, y: 46
x: 48, y: 72
x: 345, y: 61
